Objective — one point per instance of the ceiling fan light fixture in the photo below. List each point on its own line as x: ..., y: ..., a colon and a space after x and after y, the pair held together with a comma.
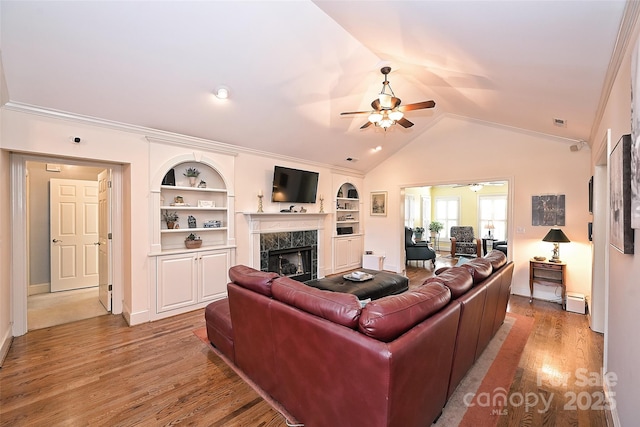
x: 385, y: 100
x: 396, y: 115
x: 475, y: 187
x: 375, y: 117
x: 385, y: 123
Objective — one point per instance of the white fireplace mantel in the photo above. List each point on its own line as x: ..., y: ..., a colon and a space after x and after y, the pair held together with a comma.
x: 276, y: 222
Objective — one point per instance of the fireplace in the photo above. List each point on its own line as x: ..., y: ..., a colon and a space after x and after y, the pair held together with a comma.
x: 287, y: 232
x: 293, y: 254
x: 294, y: 263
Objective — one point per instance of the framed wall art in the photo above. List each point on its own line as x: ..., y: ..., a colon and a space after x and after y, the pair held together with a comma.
x: 379, y: 203
x: 635, y: 137
x: 620, y: 195
x: 548, y: 210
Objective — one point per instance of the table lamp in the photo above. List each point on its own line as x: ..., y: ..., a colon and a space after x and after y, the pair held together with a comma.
x: 556, y: 236
x: 489, y: 227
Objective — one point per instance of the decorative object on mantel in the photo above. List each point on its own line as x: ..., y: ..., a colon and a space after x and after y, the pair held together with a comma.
x: 202, y: 184
x: 303, y: 210
x: 191, y: 221
x: 192, y: 241
x: 288, y: 210
x: 260, y: 196
x: 321, y: 204
x: 192, y: 174
x: 170, y: 218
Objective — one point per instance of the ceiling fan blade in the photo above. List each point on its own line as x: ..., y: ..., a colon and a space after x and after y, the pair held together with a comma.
x: 404, y: 123
x: 418, y: 106
x: 366, y: 125
x: 355, y: 112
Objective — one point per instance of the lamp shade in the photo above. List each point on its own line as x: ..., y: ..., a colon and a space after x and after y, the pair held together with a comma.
x: 556, y: 235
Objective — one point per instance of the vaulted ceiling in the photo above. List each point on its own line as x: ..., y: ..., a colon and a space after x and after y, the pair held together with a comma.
x: 293, y: 66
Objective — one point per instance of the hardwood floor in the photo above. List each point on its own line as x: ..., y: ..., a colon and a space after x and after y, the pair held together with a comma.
x: 100, y: 372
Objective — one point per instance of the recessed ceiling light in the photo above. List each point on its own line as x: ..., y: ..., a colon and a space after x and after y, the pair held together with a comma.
x: 378, y: 148
x: 222, y: 92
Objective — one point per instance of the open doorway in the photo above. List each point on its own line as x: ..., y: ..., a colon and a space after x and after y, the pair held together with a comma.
x: 63, y: 243
x: 32, y: 268
x: 482, y: 205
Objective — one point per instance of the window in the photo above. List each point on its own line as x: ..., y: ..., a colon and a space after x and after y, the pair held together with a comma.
x: 409, y: 210
x: 493, y: 211
x: 426, y: 212
x: 448, y: 213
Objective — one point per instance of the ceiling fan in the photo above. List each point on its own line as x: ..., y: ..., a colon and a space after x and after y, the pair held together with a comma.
x: 386, y: 107
x: 477, y: 186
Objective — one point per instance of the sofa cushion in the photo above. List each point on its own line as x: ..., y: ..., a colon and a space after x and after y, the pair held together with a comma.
x: 458, y: 279
x: 387, y: 318
x: 479, y: 269
x: 496, y: 258
x: 343, y: 309
x: 250, y: 278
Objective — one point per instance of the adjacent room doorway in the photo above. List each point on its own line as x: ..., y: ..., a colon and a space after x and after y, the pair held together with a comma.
x: 71, y: 274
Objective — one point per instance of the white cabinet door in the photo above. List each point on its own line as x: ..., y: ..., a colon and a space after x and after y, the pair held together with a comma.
x: 177, y: 280
x: 340, y: 255
x: 213, y: 268
x: 355, y: 252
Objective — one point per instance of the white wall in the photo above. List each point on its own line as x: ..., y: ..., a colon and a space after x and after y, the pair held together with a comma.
x: 621, y: 339
x: 44, y: 134
x: 456, y: 150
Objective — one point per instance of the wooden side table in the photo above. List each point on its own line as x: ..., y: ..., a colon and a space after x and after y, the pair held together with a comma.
x: 549, y: 274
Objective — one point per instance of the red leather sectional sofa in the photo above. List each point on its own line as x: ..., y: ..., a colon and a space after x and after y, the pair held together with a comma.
x: 329, y: 361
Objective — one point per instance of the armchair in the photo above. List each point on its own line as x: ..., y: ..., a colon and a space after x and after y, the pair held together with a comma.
x: 417, y: 251
x: 464, y: 243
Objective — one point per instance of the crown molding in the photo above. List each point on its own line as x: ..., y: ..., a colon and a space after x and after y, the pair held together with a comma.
x: 164, y: 137
x: 626, y: 31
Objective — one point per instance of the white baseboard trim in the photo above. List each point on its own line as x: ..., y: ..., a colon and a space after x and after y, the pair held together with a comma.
x: 40, y: 288
x: 612, y: 403
x: 6, y: 344
x: 135, y: 318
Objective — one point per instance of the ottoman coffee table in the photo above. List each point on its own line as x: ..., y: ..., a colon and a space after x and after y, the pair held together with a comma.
x: 380, y: 284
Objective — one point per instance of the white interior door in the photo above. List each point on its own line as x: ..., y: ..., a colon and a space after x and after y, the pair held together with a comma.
x: 104, y: 241
x: 74, y: 234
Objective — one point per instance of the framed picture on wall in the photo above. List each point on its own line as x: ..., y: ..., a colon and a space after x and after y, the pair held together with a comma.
x: 379, y: 203
x: 620, y: 191
x: 635, y: 137
x: 548, y: 210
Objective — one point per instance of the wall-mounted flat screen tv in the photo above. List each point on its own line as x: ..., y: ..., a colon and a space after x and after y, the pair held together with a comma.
x: 294, y: 185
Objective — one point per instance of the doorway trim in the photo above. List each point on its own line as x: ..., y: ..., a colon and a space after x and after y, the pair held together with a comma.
x: 19, y: 242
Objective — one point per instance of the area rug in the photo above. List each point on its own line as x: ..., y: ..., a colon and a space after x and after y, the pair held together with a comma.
x: 489, y: 377
x: 476, y: 402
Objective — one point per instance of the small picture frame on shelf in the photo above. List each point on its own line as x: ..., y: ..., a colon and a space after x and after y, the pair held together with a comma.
x: 206, y: 204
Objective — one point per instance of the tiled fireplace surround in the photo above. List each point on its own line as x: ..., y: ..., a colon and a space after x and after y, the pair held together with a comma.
x: 270, y: 231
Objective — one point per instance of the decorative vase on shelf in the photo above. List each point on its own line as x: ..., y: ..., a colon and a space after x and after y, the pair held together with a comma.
x: 171, y: 225
x: 192, y: 180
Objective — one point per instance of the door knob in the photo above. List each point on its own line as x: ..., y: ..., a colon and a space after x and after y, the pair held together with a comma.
x: 56, y: 241
x: 97, y: 243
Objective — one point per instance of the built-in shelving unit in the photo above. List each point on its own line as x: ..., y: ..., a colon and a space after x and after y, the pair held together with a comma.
x: 186, y: 279
x: 347, y: 241
x: 206, y: 204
